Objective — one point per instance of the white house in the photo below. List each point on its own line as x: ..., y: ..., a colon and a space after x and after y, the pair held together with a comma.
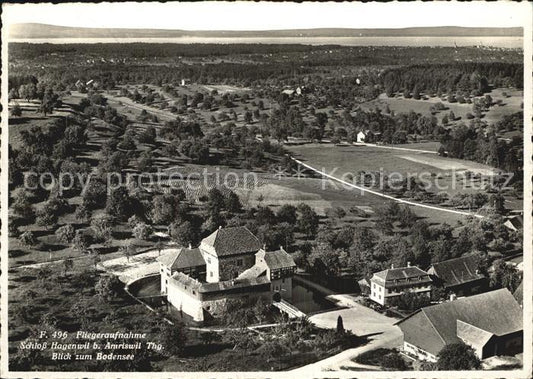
x: 393, y: 282
x: 361, y: 136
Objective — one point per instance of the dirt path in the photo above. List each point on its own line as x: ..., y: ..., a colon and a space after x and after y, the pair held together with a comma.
x: 395, y: 148
x: 365, y: 189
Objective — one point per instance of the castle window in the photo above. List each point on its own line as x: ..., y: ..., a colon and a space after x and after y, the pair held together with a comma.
x: 211, y: 273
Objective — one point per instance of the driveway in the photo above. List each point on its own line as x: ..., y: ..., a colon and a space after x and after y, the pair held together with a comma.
x: 361, y: 321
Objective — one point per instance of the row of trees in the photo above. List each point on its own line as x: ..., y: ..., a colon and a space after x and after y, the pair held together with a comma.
x: 460, y: 77
x: 482, y: 144
x: 401, y: 239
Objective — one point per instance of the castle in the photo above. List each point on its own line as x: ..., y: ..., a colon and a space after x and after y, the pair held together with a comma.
x: 228, y: 264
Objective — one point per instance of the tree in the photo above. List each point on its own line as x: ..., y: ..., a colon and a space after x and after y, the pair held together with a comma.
x: 128, y: 140
x: 324, y: 261
x: 109, y: 287
x: 457, y: 356
x: 128, y: 251
x: 66, y: 233
x: 308, y: 220
x: 164, y: 209
x: 119, y: 204
x: 22, y: 205
x: 142, y: 231
x: 173, y: 338
x: 209, y: 337
x: 505, y: 276
x: 451, y: 116
x: 101, y: 226
x: 16, y: 110
x: 148, y: 135
x: 83, y: 213
x: 215, y: 201
x: 46, y: 216
x: 393, y: 361
x: 248, y: 117
x: 411, y: 301
x: 340, y: 326
x: 28, y: 239
x: 81, y: 241
x: 67, y: 265
x: 14, y: 94
x: 232, y: 203
x: 28, y: 91
x: 273, y: 349
x: 48, y: 102
x: 146, y: 163
x: 183, y: 233
x: 287, y: 213
x: 95, y: 194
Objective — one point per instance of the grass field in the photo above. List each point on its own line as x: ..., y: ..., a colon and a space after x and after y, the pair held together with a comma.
x: 338, y: 161
x: 510, y: 105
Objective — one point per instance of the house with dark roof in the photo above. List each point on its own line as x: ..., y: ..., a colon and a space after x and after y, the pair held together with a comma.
x: 391, y: 283
x: 228, y: 264
x: 459, y: 275
x: 519, y: 294
x: 279, y: 267
x: 228, y: 252
x: 180, y: 259
x: 491, y: 323
x: 515, y: 223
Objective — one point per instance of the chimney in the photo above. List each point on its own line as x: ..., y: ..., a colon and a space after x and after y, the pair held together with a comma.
x: 408, y: 264
x: 281, y: 247
x: 453, y: 297
x: 264, y: 246
x: 392, y: 266
x: 219, y: 227
x: 190, y: 246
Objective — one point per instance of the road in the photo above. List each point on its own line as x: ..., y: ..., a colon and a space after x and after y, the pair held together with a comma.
x: 367, y: 190
x: 164, y: 115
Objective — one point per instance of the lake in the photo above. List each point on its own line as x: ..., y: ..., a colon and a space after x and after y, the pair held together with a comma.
x: 507, y: 42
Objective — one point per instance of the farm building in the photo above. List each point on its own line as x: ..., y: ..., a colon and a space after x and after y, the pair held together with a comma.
x: 288, y: 92
x: 228, y: 264
x: 515, y: 223
x: 388, y: 284
x: 459, y: 275
x: 519, y: 294
x: 185, y: 82
x: 361, y: 136
x: 491, y: 323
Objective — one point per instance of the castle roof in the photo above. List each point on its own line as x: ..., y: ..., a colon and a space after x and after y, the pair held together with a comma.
x: 232, y: 241
x: 181, y: 257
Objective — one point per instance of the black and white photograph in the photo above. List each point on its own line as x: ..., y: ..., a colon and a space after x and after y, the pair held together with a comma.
x: 266, y: 190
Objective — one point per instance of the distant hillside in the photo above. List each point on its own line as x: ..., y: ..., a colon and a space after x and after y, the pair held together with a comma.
x: 54, y: 31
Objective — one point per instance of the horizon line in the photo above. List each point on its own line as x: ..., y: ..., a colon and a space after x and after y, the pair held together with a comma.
x: 275, y: 29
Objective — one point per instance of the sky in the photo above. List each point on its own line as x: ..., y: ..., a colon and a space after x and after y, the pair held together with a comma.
x: 269, y: 16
